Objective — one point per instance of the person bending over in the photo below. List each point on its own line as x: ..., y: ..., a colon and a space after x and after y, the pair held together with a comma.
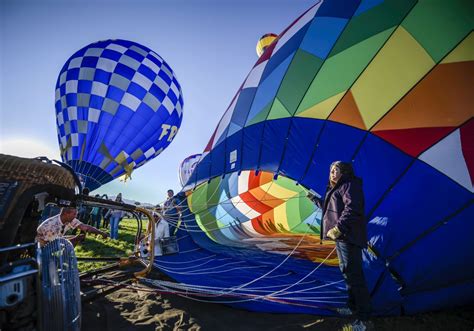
x: 58, y: 225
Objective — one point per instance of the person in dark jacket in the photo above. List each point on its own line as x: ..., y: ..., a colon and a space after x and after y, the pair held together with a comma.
x: 344, y: 221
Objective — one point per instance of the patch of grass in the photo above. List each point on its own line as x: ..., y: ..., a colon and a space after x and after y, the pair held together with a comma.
x: 95, y: 246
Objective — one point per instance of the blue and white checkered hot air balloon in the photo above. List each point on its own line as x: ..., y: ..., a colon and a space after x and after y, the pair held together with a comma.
x: 118, y: 105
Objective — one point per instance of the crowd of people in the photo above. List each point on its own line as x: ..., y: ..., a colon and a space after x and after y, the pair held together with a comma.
x: 66, y: 222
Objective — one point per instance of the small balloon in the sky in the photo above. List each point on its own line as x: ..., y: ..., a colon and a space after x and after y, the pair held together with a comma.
x: 265, y: 41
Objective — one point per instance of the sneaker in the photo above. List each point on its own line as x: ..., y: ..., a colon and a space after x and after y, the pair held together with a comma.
x: 359, y: 325
x: 344, y: 311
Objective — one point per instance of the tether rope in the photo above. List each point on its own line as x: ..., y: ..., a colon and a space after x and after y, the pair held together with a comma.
x: 276, y: 295
x: 272, y: 295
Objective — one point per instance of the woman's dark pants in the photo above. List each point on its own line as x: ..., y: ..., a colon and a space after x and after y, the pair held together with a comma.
x: 350, y: 263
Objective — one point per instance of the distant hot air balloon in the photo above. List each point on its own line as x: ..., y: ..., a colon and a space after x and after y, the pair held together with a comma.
x: 118, y: 105
x: 265, y: 41
x: 187, y: 167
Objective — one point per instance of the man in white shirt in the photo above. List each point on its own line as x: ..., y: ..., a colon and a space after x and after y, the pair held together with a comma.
x: 58, y: 225
x: 162, y: 230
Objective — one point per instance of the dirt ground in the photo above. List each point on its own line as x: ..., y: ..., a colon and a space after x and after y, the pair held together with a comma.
x: 128, y: 309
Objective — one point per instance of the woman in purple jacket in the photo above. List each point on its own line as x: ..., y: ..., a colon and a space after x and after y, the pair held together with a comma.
x: 344, y: 221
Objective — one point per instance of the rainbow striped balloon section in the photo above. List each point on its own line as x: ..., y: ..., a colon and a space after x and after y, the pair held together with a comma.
x: 257, y: 202
x: 256, y: 210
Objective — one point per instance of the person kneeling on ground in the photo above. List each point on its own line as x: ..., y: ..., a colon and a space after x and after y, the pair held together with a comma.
x: 58, y: 225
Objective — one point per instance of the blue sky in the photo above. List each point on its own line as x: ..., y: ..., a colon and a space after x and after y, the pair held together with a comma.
x: 210, y: 45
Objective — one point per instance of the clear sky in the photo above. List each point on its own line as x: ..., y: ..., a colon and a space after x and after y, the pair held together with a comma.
x: 209, y: 44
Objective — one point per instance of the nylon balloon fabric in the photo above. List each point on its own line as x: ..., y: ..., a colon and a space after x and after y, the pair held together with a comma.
x: 385, y: 85
x: 118, y: 105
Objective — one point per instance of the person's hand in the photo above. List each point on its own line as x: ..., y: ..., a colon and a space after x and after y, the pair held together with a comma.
x: 334, y: 233
x: 104, y: 235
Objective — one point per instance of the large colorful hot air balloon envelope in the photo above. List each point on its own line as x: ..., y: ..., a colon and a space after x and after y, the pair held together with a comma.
x: 118, y: 105
x: 186, y: 168
x: 386, y: 85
